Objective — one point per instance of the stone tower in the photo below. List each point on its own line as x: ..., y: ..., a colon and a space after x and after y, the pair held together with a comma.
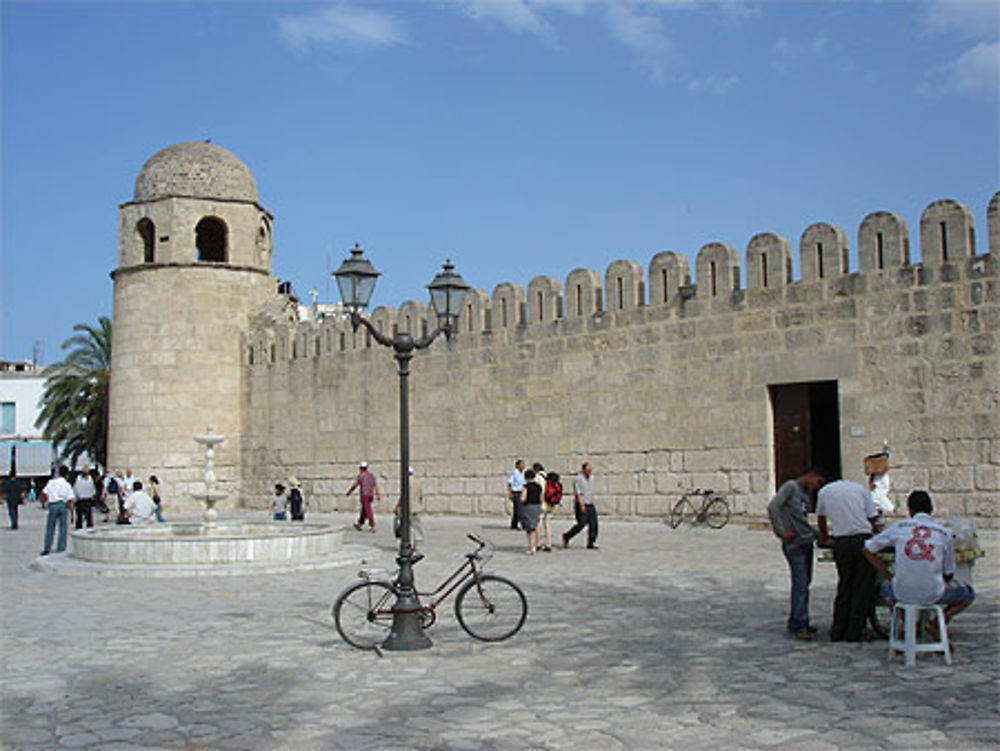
x: 194, y: 257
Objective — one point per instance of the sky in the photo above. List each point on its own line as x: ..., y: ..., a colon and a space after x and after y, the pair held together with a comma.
x: 516, y: 137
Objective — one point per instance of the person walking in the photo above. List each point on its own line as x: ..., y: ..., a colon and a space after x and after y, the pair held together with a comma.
x: 545, y: 520
x: 551, y: 497
x: 788, y: 512
x: 852, y: 514
x: 84, y: 490
x: 154, y: 493
x: 515, y: 486
x: 58, y: 497
x: 584, y: 508
x: 369, y: 492
x: 13, y: 495
x: 531, y: 509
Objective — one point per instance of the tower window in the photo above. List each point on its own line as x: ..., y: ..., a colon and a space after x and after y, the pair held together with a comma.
x: 211, y: 237
x: 147, y: 233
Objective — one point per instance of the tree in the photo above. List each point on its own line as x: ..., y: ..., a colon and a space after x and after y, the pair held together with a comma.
x: 74, y: 413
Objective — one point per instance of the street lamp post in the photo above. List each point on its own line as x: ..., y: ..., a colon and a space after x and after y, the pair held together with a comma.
x: 356, y: 280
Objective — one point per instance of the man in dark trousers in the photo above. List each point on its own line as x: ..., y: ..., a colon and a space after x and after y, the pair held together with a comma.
x: 583, y: 506
x: 851, y: 512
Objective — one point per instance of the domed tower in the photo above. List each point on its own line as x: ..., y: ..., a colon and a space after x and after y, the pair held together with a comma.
x: 194, y: 258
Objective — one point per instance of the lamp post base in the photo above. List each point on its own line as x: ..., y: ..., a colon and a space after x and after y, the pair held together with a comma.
x: 407, y: 635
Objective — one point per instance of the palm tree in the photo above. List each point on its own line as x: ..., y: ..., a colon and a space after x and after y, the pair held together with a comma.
x: 74, y: 413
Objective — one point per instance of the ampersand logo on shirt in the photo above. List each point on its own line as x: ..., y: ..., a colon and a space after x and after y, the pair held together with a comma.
x: 917, y: 548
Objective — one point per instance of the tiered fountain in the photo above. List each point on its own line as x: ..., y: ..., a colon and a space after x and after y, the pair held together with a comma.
x: 208, y: 547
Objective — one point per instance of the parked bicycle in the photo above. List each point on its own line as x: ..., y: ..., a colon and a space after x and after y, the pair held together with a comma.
x: 700, y: 507
x: 488, y: 607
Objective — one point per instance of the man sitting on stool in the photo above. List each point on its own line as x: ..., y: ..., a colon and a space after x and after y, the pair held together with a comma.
x: 925, y: 562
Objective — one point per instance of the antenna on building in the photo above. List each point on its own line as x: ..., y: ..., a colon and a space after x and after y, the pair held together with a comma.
x: 328, y: 275
x: 37, y: 352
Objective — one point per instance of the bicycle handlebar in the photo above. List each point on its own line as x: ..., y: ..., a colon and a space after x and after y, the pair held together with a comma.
x: 478, y: 540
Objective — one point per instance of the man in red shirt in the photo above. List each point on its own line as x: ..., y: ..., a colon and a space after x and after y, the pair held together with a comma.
x: 368, y: 489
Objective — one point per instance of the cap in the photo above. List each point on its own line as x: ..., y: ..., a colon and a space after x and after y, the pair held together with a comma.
x: 364, y: 465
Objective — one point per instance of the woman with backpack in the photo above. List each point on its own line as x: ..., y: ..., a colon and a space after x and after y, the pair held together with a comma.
x: 551, y: 497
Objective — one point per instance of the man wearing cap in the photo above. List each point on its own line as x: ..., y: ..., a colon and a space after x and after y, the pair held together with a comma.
x: 368, y: 489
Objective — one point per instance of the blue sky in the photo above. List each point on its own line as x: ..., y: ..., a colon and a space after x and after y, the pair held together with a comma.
x: 517, y: 137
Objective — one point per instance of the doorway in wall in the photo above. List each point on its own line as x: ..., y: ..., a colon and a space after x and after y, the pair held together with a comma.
x: 806, y: 428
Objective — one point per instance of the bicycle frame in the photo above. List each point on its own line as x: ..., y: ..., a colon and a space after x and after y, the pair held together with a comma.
x: 458, y: 577
x: 443, y: 591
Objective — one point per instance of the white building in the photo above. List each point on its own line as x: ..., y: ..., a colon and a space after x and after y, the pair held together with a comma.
x: 21, y: 388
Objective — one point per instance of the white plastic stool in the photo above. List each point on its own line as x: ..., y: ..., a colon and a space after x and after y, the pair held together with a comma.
x: 908, y: 644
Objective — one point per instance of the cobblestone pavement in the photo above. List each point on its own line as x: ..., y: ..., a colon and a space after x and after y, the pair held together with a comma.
x: 661, y: 639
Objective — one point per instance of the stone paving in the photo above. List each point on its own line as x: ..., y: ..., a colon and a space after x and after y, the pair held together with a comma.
x: 662, y: 639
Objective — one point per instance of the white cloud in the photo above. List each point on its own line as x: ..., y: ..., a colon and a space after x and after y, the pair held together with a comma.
x: 342, y: 24
x: 715, y: 84
x: 971, y: 18
x: 643, y: 33
x: 784, y: 47
x: 735, y: 12
x: 516, y: 15
x: 820, y: 43
x: 976, y: 72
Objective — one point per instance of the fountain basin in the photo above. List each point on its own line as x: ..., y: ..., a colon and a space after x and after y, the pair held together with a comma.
x: 193, y: 549
x: 225, y: 543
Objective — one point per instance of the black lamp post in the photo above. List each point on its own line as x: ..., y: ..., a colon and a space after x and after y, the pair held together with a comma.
x: 356, y: 280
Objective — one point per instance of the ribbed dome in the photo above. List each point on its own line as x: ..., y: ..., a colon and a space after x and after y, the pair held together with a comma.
x: 196, y: 170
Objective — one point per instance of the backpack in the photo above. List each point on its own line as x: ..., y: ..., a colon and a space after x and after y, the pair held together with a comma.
x: 553, y: 489
x: 113, y: 486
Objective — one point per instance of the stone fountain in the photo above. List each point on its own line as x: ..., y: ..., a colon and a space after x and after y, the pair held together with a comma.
x: 209, y: 547
x: 210, y: 440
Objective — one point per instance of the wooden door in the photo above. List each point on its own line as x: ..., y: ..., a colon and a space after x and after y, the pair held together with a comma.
x: 792, y: 431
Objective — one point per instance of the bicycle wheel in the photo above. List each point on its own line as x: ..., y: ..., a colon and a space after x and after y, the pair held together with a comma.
x: 363, y: 614
x: 491, y: 609
x: 717, y: 512
x: 683, y: 511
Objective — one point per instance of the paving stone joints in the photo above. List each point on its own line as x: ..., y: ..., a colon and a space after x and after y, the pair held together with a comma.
x: 661, y: 639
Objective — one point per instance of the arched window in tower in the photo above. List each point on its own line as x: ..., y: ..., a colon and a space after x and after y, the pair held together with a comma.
x: 211, y: 239
x: 263, y: 241
x: 147, y: 233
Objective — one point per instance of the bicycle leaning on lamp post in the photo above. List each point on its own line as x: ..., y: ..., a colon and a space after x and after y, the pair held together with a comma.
x: 356, y: 280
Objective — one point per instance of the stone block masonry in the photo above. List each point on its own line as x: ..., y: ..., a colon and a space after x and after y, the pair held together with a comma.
x: 662, y: 394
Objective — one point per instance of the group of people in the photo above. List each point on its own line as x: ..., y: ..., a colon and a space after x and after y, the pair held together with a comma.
x: 72, y: 499
x: 534, y: 495
x: 849, y: 522
x: 294, y: 503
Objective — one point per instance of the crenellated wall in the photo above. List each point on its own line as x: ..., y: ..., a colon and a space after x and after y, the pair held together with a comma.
x: 662, y: 381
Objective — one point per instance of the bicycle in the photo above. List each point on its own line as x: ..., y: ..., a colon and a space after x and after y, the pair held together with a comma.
x: 712, y: 509
x: 488, y: 607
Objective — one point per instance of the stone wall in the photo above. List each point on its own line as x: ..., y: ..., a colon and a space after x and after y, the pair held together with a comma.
x: 659, y: 394
x: 176, y: 369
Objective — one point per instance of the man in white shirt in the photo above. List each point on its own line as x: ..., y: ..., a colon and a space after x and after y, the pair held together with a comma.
x: 128, y: 483
x: 924, y: 563
x: 139, y: 507
x: 58, y: 495
x: 852, y: 514
x: 85, y: 491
